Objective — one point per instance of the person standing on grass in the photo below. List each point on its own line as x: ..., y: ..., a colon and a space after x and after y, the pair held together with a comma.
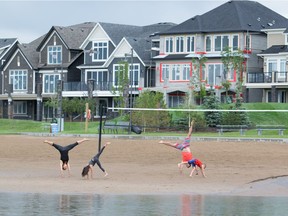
x: 64, y: 156
x: 88, y: 169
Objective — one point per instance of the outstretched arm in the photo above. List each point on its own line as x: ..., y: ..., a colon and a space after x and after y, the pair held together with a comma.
x: 83, y: 140
x: 190, y: 129
x: 193, y: 169
x: 202, y: 171
x: 61, y: 170
x: 49, y: 142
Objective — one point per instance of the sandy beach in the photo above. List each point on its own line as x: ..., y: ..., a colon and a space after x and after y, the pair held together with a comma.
x: 143, y: 167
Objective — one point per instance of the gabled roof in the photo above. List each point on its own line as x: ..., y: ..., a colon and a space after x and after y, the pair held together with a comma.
x: 276, y: 49
x: 5, y: 45
x: 73, y: 36
x: 29, y: 51
x: 232, y: 16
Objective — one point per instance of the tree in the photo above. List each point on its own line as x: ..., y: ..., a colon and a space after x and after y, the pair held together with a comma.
x: 52, y: 102
x: 226, y: 84
x: 154, y: 119
x: 212, y: 102
x: 233, y: 60
x: 196, y: 86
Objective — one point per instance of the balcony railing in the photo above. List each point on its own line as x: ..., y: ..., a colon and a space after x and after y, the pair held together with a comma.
x: 97, y: 86
x: 267, y: 77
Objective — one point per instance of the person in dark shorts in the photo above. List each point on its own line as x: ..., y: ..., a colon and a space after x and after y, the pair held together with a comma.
x: 95, y: 160
x: 194, y: 163
x: 64, y: 156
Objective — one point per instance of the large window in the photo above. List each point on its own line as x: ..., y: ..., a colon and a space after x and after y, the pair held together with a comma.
x: 175, y: 72
x: 20, y: 107
x: 19, y: 79
x: 97, y: 75
x: 190, y: 44
x: 214, y: 74
x: 50, y: 83
x: 169, y: 44
x: 221, y: 42
x: 179, y: 44
x: 278, y: 66
x: 133, y: 75
x: 54, y: 54
x: 100, y: 50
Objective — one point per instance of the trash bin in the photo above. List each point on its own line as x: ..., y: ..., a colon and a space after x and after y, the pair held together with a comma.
x: 54, y: 128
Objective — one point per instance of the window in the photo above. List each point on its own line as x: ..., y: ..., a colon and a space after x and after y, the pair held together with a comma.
x: 235, y: 45
x: 19, y: 79
x: 190, y: 44
x: 175, y: 72
x: 134, y: 74
x: 282, y: 73
x: 208, y: 44
x: 221, y: 42
x: 214, y: 74
x: 100, y: 79
x: 100, y: 50
x: 50, y: 83
x: 54, y: 54
x: 179, y: 44
x: 169, y: 44
x: 20, y: 107
x: 247, y: 42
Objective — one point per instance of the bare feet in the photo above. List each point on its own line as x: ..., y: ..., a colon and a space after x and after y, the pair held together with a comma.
x: 161, y: 142
x: 106, y: 174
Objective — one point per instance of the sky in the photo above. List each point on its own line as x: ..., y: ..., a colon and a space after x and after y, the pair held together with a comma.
x: 28, y: 20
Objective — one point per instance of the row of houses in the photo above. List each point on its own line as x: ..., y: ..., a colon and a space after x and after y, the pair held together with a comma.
x: 86, y: 56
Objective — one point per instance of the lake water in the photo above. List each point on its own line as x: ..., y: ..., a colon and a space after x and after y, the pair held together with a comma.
x: 139, y: 205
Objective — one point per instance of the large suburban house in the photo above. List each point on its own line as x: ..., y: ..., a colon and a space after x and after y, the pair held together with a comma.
x: 234, y: 24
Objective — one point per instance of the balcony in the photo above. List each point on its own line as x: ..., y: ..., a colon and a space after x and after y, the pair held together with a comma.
x: 267, y: 77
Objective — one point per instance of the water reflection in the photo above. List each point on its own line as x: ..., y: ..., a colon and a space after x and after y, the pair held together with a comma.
x: 140, y: 205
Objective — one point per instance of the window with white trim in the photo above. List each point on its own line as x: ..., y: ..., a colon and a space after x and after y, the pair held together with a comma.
x: 176, y: 72
x: 133, y: 74
x: 214, y: 72
x: 208, y: 44
x: 221, y: 42
x: 190, y: 43
x: 50, y: 82
x: 169, y: 44
x: 19, y: 107
x: 54, y: 54
x: 100, y: 50
x: 19, y: 79
x: 179, y: 44
x: 97, y: 75
x: 235, y: 42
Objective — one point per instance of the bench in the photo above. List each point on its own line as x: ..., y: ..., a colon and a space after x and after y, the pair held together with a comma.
x: 280, y: 129
x: 229, y: 128
x: 115, y: 126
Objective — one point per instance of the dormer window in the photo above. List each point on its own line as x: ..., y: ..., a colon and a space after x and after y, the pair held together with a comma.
x: 100, y: 50
x: 54, y: 54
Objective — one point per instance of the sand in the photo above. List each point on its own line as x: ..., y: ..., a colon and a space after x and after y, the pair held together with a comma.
x: 143, y: 167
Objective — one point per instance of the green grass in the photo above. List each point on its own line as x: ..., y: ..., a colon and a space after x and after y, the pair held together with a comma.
x: 257, y: 118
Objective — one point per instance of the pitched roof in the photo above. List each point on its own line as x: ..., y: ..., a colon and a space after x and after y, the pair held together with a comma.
x: 5, y: 45
x: 232, y: 16
x: 73, y: 36
x: 276, y: 49
x: 29, y: 50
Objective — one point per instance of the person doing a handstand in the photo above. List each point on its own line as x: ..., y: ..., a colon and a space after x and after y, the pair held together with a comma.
x: 64, y: 156
x: 95, y: 160
x: 184, y: 147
